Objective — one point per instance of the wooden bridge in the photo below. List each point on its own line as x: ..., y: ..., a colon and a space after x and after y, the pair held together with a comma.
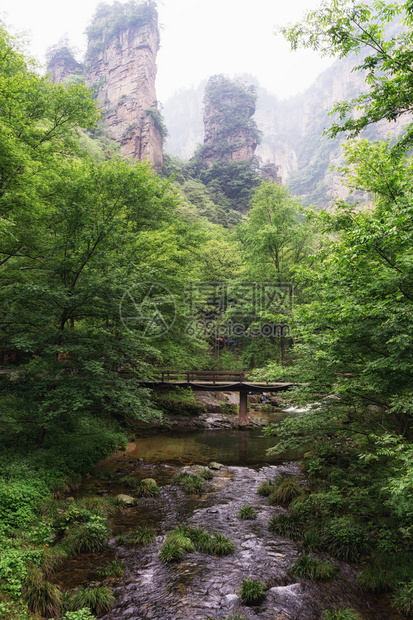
x: 216, y: 381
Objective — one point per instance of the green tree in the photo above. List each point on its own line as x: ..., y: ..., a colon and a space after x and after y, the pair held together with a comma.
x: 275, y: 237
x: 76, y: 237
x: 381, y: 33
x: 357, y: 327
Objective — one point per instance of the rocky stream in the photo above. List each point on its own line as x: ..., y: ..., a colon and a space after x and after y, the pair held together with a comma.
x: 202, y: 586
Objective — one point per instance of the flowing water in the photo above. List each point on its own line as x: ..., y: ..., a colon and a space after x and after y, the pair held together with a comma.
x: 203, y: 586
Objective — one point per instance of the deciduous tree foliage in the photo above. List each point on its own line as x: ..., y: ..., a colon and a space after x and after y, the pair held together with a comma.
x: 381, y: 33
x: 76, y: 235
x: 275, y: 237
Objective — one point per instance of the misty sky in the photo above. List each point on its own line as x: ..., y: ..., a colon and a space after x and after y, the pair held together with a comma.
x: 199, y: 38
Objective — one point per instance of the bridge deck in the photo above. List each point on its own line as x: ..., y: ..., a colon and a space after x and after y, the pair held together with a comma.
x: 221, y: 386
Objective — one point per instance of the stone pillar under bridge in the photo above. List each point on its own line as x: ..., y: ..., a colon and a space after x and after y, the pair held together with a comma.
x: 243, y: 408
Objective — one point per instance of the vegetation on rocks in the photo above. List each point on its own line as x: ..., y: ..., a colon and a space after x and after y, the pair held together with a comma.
x: 190, y: 483
x: 186, y: 539
x: 307, y: 567
x: 252, y: 592
x: 247, y: 512
x: 99, y: 599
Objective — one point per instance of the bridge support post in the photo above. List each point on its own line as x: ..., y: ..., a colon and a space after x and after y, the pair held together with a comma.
x: 243, y: 408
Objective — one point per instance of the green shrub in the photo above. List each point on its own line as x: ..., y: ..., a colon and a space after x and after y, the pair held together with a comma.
x: 116, y: 568
x: 141, y: 535
x: 286, y: 489
x: 252, y: 592
x: 181, y: 402
x: 229, y: 409
x: 206, y: 474
x: 19, y: 500
x: 315, y: 570
x: 403, y: 599
x: 385, y: 572
x: 190, y: 483
x: 345, y: 539
x: 99, y: 599
x: 318, y: 505
x: 87, y: 537
x: 148, y: 488
x: 40, y: 596
x: 81, y: 614
x: 340, y: 614
x: 247, y: 512
x: 287, y: 525
x: 266, y: 488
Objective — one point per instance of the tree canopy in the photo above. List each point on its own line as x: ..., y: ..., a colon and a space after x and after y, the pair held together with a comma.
x: 379, y: 33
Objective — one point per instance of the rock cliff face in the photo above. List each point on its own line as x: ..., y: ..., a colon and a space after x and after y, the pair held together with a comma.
x: 121, y: 67
x: 292, y: 132
x: 229, y: 132
x: 62, y: 64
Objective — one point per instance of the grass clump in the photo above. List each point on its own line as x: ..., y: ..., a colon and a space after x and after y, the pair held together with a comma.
x: 247, y: 512
x: 285, y: 490
x: 186, y: 539
x: 99, y: 599
x: 52, y: 558
x: 252, y: 592
x: 287, y: 525
x: 231, y: 617
x: 116, y: 568
x: 41, y: 597
x: 220, y: 545
x: 141, y: 535
x: 266, y: 488
x: 206, y: 474
x: 313, y: 569
x: 346, y: 539
x: 385, y: 572
x: 403, y: 599
x: 148, y: 488
x: 122, y: 539
x: 87, y: 537
x: 190, y: 483
x: 175, y: 547
x: 340, y: 614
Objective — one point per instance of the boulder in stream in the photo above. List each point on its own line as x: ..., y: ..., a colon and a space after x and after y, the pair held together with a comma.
x: 127, y: 500
x: 214, y: 465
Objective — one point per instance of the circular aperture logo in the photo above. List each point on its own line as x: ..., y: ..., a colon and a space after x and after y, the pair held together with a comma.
x: 148, y: 308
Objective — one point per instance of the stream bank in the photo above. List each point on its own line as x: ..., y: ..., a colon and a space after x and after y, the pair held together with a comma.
x: 202, y: 586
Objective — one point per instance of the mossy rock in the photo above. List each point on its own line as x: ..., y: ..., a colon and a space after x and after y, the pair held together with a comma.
x: 127, y: 500
x: 214, y: 465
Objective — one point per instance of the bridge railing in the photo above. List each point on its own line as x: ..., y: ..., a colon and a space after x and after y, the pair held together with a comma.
x: 208, y: 376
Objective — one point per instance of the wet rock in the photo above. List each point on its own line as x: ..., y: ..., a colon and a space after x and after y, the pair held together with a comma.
x: 214, y: 465
x: 127, y: 500
x: 193, y: 469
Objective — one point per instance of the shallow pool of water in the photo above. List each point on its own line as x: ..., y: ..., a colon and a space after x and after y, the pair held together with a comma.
x: 230, y: 447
